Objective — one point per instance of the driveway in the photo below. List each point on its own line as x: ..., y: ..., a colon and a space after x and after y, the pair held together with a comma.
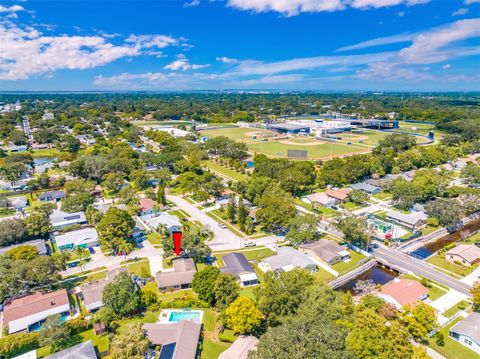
x: 448, y: 300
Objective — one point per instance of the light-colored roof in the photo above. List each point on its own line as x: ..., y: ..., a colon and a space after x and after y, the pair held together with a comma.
x: 325, y: 249
x: 340, y: 194
x: 82, y: 236
x: 469, y: 252
x: 164, y: 219
x: 38, y: 243
x: 240, y: 348
x: 320, y: 197
x: 51, y: 195
x: 288, y: 258
x: 104, y: 207
x: 63, y: 218
x: 410, y: 218
x: 34, y: 303
x: 363, y: 186
x: 405, y: 291
x: 470, y: 327
x: 93, y: 291
x: 182, y: 336
x: 84, y: 350
x: 184, y: 269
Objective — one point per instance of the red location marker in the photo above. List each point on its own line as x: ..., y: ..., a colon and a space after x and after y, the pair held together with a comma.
x: 177, y: 241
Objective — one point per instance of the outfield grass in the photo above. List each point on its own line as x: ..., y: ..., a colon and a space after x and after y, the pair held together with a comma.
x: 274, y: 148
x: 441, y: 262
x: 227, y: 172
x: 345, y: 267
x: 235, y: 133
x: 452, y: 349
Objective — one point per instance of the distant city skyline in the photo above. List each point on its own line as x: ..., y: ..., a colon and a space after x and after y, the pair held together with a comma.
x: 329, y: 45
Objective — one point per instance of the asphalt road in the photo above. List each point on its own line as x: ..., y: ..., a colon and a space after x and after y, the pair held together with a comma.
x: 418, y: 267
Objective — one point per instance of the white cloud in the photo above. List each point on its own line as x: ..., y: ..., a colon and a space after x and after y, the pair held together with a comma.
x: 294, y: 7
x: 192, y: 3
x: 25, y: 51
x: 460, y: 12
x: 227, y: 60
x: 182, y: 63
x: 470, y: 2
x: 447, y: 66
x: 379, y: 42
x: 13, y: 8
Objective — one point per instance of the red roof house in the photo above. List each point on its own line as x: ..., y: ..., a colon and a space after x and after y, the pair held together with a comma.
x: 404, y: 292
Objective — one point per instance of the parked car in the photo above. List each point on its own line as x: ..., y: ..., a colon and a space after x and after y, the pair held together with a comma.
x: 222, y: 225
x: 249, y: 244
x: 91, y: 250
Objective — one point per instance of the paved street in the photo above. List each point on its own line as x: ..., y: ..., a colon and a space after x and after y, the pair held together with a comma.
x: 418, y: 267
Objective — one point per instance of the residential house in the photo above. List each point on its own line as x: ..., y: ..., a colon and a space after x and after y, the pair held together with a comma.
x: 253, y: 214
x: 171, y: 223
x: 19, y: 203
x: 176, y: 340
x: 223, y: 201
x: 327, y: 250
x: 466, y: 254
x: 92, y: 292
x: 104, y: 207
x: 84, y: 238
x: 393, y: 177
x: 240, y: 348
x: 27, y: 313
x: 84, y: 350
x: 60, y: 219
x: 467, y: 332
x: 287, y: 259
x: 52, y: 196
x: 238, y: 265
x: 402, y: 292
x: 320, y: 198
x: 413, y: 221
x: 39, y: 244
x: 180, y: 278
x: 147, y: 206
x: 339, y: 195
x: 365, y: 187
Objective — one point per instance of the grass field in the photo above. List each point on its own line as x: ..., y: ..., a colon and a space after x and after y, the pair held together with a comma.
x: 227, y: 172
x: 235, y: 133
x: 441, y: 262
x: 345, y: 267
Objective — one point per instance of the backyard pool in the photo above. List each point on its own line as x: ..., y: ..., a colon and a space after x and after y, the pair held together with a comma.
x: 174, y: 316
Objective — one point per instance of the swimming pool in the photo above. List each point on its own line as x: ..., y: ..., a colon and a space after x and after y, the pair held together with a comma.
x: 174, y: 316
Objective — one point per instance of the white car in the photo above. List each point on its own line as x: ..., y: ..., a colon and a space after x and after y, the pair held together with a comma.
x: 249, y: 244
x: 222, y: 225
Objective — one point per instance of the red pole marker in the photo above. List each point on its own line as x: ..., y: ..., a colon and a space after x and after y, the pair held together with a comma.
x: 177, y: 241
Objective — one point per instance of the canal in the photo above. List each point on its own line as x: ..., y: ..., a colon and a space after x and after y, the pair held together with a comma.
x: 378, y: 275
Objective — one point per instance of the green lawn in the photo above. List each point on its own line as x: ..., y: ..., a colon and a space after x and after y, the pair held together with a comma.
x: 235, y: 133
x: 211, y: 349
x: 47, y: 152
x: 140, y: 268
x: 322, y: 276
x: 459, y: 306
x: 227, y: 172
x: 474, y: 238
x: 209, y: 320
x: 100, y: 342
x: 440, y: 261
x: 256, y: 254
x: 4, y: 212
x: 180, y: 214
x: 220, y: 220
x: 351, y: 206
x: 345, y: 267
x: 154, y: 238
x: 383, y: 196
x: 452, y: 349
x: 323, y: 150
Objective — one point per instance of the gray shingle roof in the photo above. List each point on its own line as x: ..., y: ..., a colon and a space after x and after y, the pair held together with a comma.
x: 81, y: 351
x: 470, y: 327
x: 236, y: 263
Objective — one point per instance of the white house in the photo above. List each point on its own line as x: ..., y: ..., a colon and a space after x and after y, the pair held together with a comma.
x: 60, y: 219
x: 170, y: 222
x: 85, y: 238
x: 467, y: 332
x: 320, y: 198
x: 286, y: 259
x: 27, y: 313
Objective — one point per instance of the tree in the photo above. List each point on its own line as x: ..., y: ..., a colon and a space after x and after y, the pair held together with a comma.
x: 161, y: 197
x: 125, y: 247
x: 355, y: 230
x: 303, y: 229
x: 231, y: 208
x: 80, y: 253
x: 115, y: 227
x: 358, y: 197
x: 448, y: 211
x: 396, y: 143
x: 128, y: 195
x: 241, y: 213
x: 122, y: 296
x: 475, y: 291
x: 77, y: 202
x: 203, y: 284
x: 471, y: 173
x: 132, y: 343
x: 226, y: 290
x: 149, y: 297
x: 11, y: 231
x: 405, y: 194
x: 37, y: 225
x: 420, y: 320
x: 193, y: 242
x: 276, y: 210
x: 26, y: 252
x: 93, y: 216
x: 55, y: 333
x: 280, y: 294
x: 243, y: 316
x: 104, y: 315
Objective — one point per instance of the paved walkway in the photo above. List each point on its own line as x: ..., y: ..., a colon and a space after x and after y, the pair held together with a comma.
x: 472, y: 277
x: 448, y: 300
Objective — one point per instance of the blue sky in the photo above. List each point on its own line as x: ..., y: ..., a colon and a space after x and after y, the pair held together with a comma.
x: 240, y: 44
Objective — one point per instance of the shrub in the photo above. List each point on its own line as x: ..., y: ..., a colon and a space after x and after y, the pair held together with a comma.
x: 440, y: 339
x: 79, y: 325
x: 14, y: 344
x: 227, y: 337
x: 426, y: 283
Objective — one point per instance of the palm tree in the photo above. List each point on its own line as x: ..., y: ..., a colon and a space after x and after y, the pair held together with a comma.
x: 79, y: 251
x: 126, y: 247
